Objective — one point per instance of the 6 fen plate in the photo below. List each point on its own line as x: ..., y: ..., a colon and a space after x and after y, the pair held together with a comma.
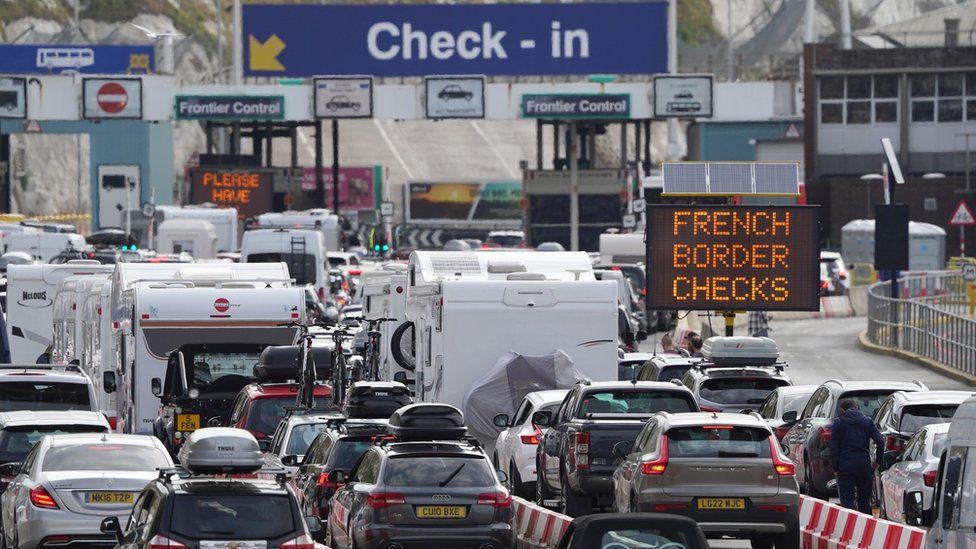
x: 187, y: 422
x: 110, y: 498
x: 442, y: 511
x: 721, y: 504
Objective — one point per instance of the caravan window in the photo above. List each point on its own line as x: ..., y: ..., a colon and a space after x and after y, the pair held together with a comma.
x: 950, y: 491
x: 301, y: 266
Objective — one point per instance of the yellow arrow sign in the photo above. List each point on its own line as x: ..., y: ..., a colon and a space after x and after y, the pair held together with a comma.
x: 264, y: 57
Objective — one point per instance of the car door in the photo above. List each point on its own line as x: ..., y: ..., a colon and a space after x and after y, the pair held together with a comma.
x: 137, y: 532
x: 360, y: 515
x: 554, y: 440
x: 796, y: 437
x: 504, y: 444
x: 623, y: 476
x: 894, y: 481
x: 15, y: 496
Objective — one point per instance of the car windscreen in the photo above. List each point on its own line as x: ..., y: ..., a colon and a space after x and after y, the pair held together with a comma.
x: 634, y: 401
x: 915, y: 417
x: 103, y: 457
x: 438, y: 472
x: 739, y: 390
x: 43, y: 395
x: 301, y: 438
x: 795, y: 402
x: 301, y: 267
x: 718, y: 441
x: 641, y: 537
x: 346, y: 452
x: 16, y: 442
x: 265, y: 413
x: 867, y: 401
x: 224, y: 516
x: 207, y: 369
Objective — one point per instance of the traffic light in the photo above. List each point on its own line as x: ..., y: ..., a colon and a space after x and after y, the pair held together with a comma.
x: 381, y: 245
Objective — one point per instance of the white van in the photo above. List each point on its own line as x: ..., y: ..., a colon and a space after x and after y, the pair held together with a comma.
x: 7, y: 229
x: 197, y: 237
x: 224, y: 221
x: 319, y: 219
x: 66, y: 319
x: 622, y: 248
x: 45, y: 246
x: 470, y: 308
x: 96, y: 343
x: 303, y: 250
x: 30, y: 300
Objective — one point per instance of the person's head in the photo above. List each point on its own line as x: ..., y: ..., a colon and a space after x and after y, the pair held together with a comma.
x: 848, y: 404
x: 695, y: 342
x: 667, y: 344
x: 686, y: 342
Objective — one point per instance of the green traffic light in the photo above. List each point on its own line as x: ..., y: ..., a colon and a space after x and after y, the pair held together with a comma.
x: 386, y: 247
x: 376, y: 247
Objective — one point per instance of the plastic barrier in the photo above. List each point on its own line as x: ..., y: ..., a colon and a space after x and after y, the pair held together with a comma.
x: 825, y: 525
x: 537, y: 527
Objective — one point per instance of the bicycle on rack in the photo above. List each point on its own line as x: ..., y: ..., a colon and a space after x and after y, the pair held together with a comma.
x: 339, y: 374
x: 307, y: 375
x: 372, y: 355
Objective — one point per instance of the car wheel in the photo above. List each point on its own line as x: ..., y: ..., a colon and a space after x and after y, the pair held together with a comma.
x: 573, y: 504
x: 542, y: 492
x: 809, y: 485
x: 790, y: 539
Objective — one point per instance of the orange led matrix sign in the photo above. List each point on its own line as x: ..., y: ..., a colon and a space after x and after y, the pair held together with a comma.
x: 247, y: 190
x: 735, y: 258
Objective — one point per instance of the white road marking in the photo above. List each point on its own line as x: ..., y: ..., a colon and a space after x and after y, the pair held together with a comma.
x: 494, y: 149
x: 389, y: 143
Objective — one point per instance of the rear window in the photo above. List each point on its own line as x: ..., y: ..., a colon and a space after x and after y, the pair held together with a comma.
x: 631, y: 401
x: 301, y: 267
x: 302, y: 436
x: 914, y: 418
x: 265, y: 413
x: 506, y: 241
x: 717, y: 441
x: 437, y: 471
x: 795, y: 402
x: 673, y: 372
x: 16, y: 442
x: 867, y: 402
x: 251, y: 516
x: 646, y: 537
x: 208, y: 368
x: 739, y: 390
x: 43, y: 395
x: 345, y: 453
x: 103, y: 457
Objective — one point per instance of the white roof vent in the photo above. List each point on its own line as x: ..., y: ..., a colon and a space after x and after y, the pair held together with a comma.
x: 506, y: 267
x: 526, y: 276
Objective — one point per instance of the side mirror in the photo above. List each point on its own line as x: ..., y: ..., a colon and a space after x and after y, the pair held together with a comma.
x: 264, y: 445
x: 157, y: 386
x: 785, y: 448
x: 622, y: 448
x: 315, y: 528
x: 542, y: 419
x: 502, y: 476
x: 915, y: 514
x: 290, y: 460
x: 791, y: 416
x: 110, y: 526
x: 75, y: 362
x: 108, y: 382
x: 8, y: 471
x: 501, y: 420
x: 641, y: 335
x: 890, y: 458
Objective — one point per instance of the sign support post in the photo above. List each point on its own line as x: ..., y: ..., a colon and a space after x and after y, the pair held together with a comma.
x: 729, y: 323
x: 962, y: 217
x: 574, y: 213
x: 335, y: 166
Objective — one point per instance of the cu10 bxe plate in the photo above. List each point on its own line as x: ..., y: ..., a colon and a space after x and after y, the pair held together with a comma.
x: 721, y: 504
x: 442, y: 511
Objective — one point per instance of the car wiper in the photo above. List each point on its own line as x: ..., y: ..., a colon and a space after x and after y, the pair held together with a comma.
x: 445, y: 482
x: 724, y: 454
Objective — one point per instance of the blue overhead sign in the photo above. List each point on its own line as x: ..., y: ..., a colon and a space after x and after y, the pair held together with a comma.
x: 430, y: 39
x: 58, y: 58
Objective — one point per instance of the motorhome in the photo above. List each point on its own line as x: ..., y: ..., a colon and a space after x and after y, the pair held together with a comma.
x: 66, y: 320
x: 160, y: 316
x: 30, y: 301
x: 224, y: 221
x: 622, y: 248
x: 197, y: 237
x: 96, y: 350
x: 303, y: 250
x: 383, y: 294
x: 470, y: 308
x: 319, y: 219
x: 43, y: 245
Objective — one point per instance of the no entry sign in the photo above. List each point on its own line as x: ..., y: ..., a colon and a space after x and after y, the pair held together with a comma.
x: 112, y: 98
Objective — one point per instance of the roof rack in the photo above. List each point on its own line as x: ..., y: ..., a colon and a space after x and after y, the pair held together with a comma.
x: 705, y: 364
x: 65, y: 367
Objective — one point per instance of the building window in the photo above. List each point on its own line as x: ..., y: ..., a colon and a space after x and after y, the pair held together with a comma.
x: 971, y: 96
x: 831, y: 113
x: 859, y: 99
x: 946, y: 97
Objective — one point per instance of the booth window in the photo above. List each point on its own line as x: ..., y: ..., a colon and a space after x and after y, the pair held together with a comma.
x: 859, y: 99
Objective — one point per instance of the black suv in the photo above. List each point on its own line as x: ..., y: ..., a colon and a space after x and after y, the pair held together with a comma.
x: 808, y: 442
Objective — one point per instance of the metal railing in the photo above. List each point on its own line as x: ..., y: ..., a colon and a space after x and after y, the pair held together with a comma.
x: 929, y: 318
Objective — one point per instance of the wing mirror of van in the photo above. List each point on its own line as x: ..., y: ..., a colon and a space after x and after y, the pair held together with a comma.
x: 156, y: 385
x: 289, y: 460
x: 108, y: 382
x: 501, y: 420
x: 791, y: 416
x: 641, y: 335
x: 915, y: 513
x: 110, y: 526
x: 542, y: 419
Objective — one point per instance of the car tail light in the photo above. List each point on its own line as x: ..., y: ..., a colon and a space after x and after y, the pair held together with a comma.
x: 301, y: 542
x: 659, y: 465
x: 580, y: 457
x: 322, y: 293
x: 894, y: 444
x: 42, y: 499
x: 929, y: 478
x: 382, y: 500
x: 534, y: 437
x: 163, y: 542
x: 825, y: 435
x: 774, y: 508
x: 113, y: 422
x: 325, y: 482
x: 784, y: 467
x: 500, y: 499
x: 665, y: 507
x: 707, y: 409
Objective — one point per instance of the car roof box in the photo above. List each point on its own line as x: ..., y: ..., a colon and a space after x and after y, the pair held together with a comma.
x: 214, y: 450
x: 281, y: 362
x: 740, y: 351
x: 376, y: 400
x: 427, y: 422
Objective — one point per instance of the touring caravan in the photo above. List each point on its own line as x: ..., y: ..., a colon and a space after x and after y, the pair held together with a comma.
x: 197, y: 237
x: 622, y: 248
x: 44, y: 246
x: 383, y: 295
x: 319, y: 219
x: 224, y: 221
x: 96, y: 350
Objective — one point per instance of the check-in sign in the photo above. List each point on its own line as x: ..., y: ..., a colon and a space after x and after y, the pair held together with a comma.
x: 229, y: 107
x: 573, y: 105
x: 344, y: 97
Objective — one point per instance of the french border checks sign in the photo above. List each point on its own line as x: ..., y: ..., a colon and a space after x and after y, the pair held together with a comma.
x: 13, y: 97
x: 229, y: 107
x: 344, y: 97
x: 119, y: 98
x: 576, y: 105
x: 455, y: 96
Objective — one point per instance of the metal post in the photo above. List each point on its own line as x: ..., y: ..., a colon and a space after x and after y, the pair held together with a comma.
x: 647, y: 148
x: 962, y: 240
x: 78, y: 160
x: 623, y: 145
x: 268, y: 140
x: 672, y: 68
x: 538, y: 144
x: 335, y: 166
x: 294, y: 145
x: 318, y: 196
x: 728, y: 41
x: 809, y: 18
x: 555, y: 145
x: 238, y: 45
x: 845, y: 24
x: 729, y: 323
x: 573, y: 140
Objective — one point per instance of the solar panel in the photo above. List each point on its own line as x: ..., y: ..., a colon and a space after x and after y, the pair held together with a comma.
x: 686, y: 178
x: 731, y: 178
x: 452, y: 264
x: 779, y: 178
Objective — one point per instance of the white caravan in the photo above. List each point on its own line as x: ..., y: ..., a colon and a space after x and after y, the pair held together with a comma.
x: 319, y: 219
x: 66, y: 320
x: 30, y: 301
x: 470, y: 308
x: 628, y: 249
x: 303, y: 250
x: 224, y: 221
x: 96, y: 343
x: 45, y: 246
x: 197, y: 237
x: 383, y: 294
x: 161, y: 316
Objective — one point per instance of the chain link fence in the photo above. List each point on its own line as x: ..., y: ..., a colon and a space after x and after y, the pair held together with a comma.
x: 930, y: 317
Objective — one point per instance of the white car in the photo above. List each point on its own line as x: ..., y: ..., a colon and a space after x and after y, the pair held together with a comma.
x: 915, y: 470
x: 516, y: 445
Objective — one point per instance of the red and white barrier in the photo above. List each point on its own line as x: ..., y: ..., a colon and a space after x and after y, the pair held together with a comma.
x: 825, y: 525
x: 537, y: 527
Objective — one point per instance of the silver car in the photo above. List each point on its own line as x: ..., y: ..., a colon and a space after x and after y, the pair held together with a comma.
x: 914, y: 471
x: 68, y: 483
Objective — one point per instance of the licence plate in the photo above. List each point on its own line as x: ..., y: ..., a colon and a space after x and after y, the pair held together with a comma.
x: 109, y: 498
x: 259, y: 544
x: 721, y: 504
x: 442, y: 511
x: 187, y: 422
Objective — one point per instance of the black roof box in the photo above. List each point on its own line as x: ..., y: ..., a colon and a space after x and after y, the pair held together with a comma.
x: 376, y: 399
x: 280, y: 363
x: 424, y: 421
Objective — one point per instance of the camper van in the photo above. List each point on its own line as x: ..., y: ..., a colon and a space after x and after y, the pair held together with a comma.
x: 224, y: 221
x: 470, y: 308
x: 66, y: 319
x: 383, y: 294
x: 319, y: 219
x: 30, y: 301
x: 622, y: 248
x: 196, y: 237
x: 96, y: 343
x: 303, y: 250
x: 45, y: 246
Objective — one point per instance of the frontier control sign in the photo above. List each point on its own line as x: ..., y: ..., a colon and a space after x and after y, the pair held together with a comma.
x: 734, y: 258
x: 560, y: 105
x: 229, y: 107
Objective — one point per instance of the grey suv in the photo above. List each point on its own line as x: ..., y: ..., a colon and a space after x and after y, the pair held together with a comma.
x: 725, y: 471
x: 733, y: 389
